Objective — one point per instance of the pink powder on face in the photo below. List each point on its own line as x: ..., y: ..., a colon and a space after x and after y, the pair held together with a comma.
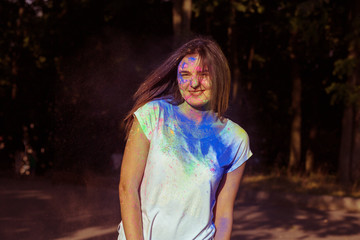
x: 212, y: 169
x: 192, y: 60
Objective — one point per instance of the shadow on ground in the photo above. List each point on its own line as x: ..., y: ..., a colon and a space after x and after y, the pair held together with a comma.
x: 284, y: 220
x: 40, y: 209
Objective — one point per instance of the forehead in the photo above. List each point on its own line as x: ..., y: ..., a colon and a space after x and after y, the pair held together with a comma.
x: 191, y: 62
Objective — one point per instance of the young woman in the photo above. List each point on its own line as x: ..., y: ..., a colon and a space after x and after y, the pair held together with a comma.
x: 183, y: 159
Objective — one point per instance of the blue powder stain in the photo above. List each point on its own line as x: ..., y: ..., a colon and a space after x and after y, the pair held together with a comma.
x: 222, y: 153
x: 181, y: 79
x: 183, y: 65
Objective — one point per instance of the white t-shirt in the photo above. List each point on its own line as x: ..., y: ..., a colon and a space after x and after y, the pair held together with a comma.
x: 184, y: 167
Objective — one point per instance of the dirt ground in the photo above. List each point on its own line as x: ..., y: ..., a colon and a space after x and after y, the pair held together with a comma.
x: 39, y: 208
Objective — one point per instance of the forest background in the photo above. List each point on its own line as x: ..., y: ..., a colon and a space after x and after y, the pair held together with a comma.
x: 68, y: 70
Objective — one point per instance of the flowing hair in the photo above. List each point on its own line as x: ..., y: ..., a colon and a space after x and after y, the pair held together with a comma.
x: 162, y: 82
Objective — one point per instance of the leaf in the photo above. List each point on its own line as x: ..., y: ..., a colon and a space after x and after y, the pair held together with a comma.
x: 42, y: 59
x: 259, y: 59
x: 344, y: 67
x: 294, y: 25
x: 239, y: 7
x: 5, y: 82
x: 343, y: 93
x: 260, y: 9
x: 209, y: 9
x: 26, y: 41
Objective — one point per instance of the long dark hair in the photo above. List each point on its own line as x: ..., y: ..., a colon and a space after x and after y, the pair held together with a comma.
x: 162, y: 82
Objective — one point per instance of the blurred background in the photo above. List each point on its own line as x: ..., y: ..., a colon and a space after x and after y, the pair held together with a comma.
x: 69, y: 68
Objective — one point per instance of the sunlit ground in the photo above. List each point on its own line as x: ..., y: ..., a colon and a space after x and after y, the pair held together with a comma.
x: 315, y: 184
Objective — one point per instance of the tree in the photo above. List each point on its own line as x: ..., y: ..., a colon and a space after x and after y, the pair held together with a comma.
x: 181, y: 17
x: 26, y: 79
x: 307, y: 47
x: 349, y: 93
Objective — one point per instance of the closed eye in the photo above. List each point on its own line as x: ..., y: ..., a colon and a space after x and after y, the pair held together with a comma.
x: 185, y: 74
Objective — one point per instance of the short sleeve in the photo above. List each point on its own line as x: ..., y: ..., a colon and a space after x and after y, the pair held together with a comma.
x: 242, y: 150
x: 148, y: 116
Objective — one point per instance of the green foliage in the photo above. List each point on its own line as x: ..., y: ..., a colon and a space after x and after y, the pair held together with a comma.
x: 259, y: 59
x: 308, y: 8
x: 248, y: 6
x: 344, y: 93
x: 346, y: 90
x: 310, y: 21
x: 347, y: 93
x: 345, y: 67
x: 353, y: 37
x: 207, y: 6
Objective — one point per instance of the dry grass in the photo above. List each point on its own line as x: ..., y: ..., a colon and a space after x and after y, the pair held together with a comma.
x: 316, y: 184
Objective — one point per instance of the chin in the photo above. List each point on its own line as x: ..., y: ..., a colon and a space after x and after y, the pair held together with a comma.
x: 199, y: 105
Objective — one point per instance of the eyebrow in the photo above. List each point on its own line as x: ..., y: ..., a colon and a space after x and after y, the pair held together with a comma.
x: 202, y: 71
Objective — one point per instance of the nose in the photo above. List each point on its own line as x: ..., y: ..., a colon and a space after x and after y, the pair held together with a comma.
x: 194, y: 83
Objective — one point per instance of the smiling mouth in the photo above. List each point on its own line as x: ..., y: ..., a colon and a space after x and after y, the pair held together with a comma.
x: 196, y: 93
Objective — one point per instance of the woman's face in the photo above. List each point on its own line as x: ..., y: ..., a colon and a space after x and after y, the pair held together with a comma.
x: 194, y: 82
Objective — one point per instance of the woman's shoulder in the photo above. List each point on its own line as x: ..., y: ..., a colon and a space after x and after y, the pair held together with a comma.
x: 236, y: 131
x: 156, y: 105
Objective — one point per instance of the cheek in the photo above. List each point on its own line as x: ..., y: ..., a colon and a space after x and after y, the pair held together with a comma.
x: 183, y: 83
x: 206, y: 84
x: 180, y: 80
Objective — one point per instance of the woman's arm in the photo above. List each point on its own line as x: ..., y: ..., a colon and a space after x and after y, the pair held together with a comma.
x: 132, y: 171
x: 224, y: 207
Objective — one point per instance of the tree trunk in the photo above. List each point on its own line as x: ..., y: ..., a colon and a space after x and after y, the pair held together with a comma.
x: 346, y: 147
x: 232, y: 50
x: 355, y: 163
x: 186, y: 16
x: 176, y: 18
x: 349, y: 157
x: 181, y: 19
x: 355, y: 158
x: 15, y: 51
x: 355, y: 51
x: 250, y: 61
x: 309, y: 158
x: 295, y: 134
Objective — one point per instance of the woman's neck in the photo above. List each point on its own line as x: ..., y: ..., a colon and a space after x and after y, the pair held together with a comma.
x: 196, y: 115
